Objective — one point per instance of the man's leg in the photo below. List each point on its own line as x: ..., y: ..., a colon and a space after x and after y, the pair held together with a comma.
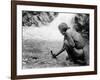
x: 70, y: 53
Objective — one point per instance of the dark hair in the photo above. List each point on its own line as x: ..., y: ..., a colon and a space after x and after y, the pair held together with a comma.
x: 63, y: 26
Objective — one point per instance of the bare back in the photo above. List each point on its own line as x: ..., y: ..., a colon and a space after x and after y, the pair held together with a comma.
x: 78, y: 39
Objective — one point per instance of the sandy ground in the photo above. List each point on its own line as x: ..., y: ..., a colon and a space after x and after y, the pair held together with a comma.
x: 36, y: 54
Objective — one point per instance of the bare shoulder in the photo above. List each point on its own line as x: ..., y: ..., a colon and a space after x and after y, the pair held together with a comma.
x: 70, y: 31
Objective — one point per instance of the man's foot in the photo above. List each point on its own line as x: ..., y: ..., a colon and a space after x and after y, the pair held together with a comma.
x: 80, y: 62
x: 69, y: 58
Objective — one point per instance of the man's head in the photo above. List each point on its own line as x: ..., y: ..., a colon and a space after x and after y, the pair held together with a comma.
x: 63, y: 27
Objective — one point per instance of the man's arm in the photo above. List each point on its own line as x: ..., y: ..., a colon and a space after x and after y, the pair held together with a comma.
x: 69, y: 39
x: 68, y: 42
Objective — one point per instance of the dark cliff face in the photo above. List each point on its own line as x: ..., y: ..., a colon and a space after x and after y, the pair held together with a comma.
x: 37, y: 18
x: 82, y: 23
